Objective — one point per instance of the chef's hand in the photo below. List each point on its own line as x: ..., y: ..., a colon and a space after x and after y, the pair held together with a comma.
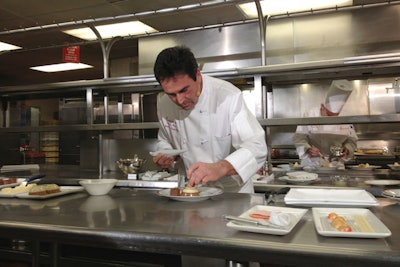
x: 345, y: 151
x: 314, y: 152
x: 164, y: 161
x: 202, y: 173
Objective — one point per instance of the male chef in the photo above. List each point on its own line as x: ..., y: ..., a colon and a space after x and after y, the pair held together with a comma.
x: 223, y: 143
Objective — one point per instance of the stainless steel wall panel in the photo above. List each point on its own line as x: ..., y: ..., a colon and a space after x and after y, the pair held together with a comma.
x: 231, y: 47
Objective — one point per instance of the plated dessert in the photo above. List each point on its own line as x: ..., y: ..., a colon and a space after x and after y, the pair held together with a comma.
x: 186, y: 192
x: 190, y: 194
x: 395, y: 166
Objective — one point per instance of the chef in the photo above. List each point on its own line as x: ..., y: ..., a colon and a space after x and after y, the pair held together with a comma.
x: 317, y: 144
x: 207, y: 118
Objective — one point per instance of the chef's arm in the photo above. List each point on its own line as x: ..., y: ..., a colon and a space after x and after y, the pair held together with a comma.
x: 202, y: 173
x: 351, y: 143
x: 226, y: 168
x: 300, y: 141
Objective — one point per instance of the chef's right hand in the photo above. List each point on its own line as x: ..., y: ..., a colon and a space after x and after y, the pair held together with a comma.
x: 164, y: 161
x: 314, y: 151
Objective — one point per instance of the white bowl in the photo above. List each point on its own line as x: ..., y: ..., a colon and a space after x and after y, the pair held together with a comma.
x: 98, y: 187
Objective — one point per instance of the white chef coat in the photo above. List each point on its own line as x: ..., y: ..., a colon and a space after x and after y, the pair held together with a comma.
x: 323, y: 137
x: 220, y: 126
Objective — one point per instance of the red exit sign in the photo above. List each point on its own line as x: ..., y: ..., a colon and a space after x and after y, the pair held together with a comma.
x: 72, y: 54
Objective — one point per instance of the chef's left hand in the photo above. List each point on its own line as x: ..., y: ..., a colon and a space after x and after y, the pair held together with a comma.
x: 202, y: 173
x: 164, y: 161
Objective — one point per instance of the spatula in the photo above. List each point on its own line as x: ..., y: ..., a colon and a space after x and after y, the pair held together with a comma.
x: 31, y: 178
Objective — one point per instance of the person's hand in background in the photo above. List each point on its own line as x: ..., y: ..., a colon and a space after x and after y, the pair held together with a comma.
x: 314, y: 151
x: 164, y: 161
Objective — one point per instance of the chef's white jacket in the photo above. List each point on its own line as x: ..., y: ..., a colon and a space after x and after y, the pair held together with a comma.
x: 323, y: 137
x: 219, y: 127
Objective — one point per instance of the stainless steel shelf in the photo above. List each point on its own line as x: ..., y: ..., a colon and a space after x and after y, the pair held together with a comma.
x: 365, y: 119
x: 83, y: 127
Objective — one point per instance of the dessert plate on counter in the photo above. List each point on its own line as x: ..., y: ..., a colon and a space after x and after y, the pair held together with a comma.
x: 299, y: 177
x: 363, y: 167
x: 65, y: 190
x: 395, y: 167
x: 327, y: 168
x: 363, y: 222
x: 392, y: 193
x: 298, y: 181
x: 290, y: 166
x: 205, y: 193
x: 295, y: 215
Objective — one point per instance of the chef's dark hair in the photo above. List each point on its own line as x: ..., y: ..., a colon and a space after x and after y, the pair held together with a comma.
x: 174, y: 61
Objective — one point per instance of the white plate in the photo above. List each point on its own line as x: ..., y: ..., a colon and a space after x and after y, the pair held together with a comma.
x: 297, y: 181
x: 205, y: 193
x: 302, y: 175
x: 391, y: 197
x: 289, y: 167
x: 65, y: 190
x: 9, y: 185
x: 358, y: 168
x: 394, y: 167
x: 363, y: 222
x: 330, y: 197
x: 262, y: 179
x: 295, y: 215
x: 322, y: 168
x: 168, y: 152
x: 382, y: 182
x: 392, y: 193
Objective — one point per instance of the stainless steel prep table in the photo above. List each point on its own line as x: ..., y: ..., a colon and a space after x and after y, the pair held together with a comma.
x: 141, y: 221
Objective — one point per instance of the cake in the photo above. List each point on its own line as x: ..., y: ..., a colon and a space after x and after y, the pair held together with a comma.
x: 190, y: 192
x: 8, y: 181
x: 175, y: 192
x: 21, y: 188
x: 44, y: 189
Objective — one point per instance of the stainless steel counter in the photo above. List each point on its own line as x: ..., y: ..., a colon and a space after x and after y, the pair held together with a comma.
x: 142, y: 221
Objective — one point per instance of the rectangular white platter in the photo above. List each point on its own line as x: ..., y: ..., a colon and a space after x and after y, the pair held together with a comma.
x: 295, y: 213
x: 65, y: 190
x: 363, y: 222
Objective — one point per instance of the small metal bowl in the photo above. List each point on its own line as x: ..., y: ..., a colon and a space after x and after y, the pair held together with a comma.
x: 129, y: 166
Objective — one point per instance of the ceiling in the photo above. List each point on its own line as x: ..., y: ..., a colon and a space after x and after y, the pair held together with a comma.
x: 36, y: 26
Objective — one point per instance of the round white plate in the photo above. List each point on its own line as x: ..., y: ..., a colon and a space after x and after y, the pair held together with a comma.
x: 298, y: 181
x: 394, y: 167
x: 367, y: 168
x: 290, y: 167
x: 392, y: 193
x: 322, y: 168
x: 167, y: 152
x: 205, y: 193
x: 302, y: 175
x: 382, y: 182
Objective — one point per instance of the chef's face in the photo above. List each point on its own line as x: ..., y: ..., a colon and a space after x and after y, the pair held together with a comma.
x: 183, y: 90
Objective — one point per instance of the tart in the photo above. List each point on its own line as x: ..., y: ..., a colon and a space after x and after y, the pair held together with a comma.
x: 190, y: 192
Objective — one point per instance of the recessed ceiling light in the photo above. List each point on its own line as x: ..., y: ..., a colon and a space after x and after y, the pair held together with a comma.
x: 8, y: 47
x: 61, y: 67
x: 112, y: 30
x: 275, y: 7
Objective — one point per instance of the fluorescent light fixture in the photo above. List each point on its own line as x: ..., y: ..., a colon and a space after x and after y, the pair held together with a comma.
x: 112, y: 30
x: 275, y: 7
x: 61, y: 67
x: 8, y: 47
